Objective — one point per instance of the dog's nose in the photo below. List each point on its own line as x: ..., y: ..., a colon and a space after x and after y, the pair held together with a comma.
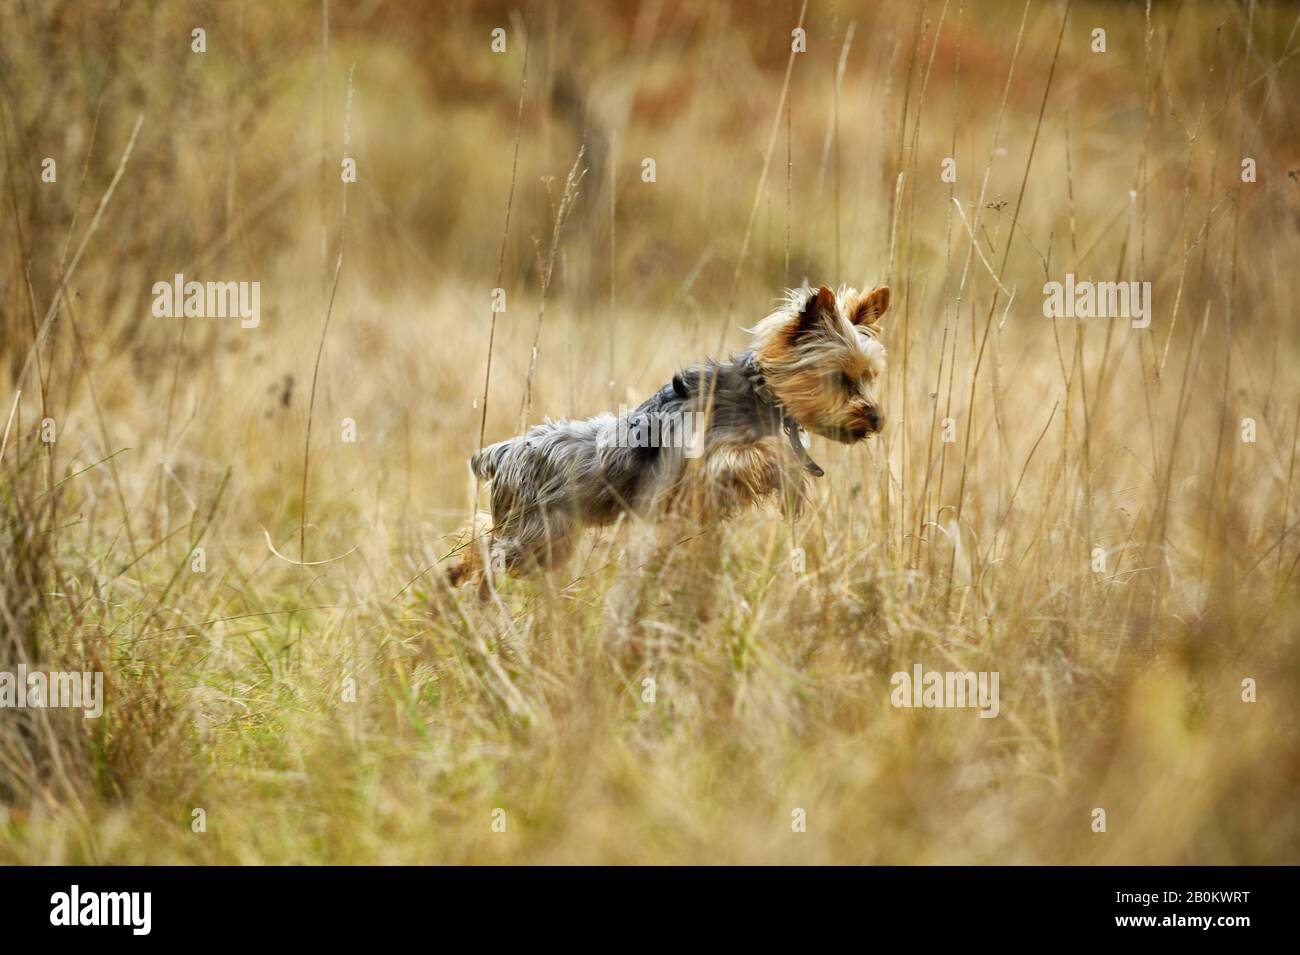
x: 875, y: 420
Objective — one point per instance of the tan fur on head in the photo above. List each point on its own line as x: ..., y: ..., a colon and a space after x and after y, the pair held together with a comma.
x: 866, y: 308
x: 821, y: 355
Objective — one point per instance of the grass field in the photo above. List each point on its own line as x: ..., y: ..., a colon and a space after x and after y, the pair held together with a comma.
x: 245, y: 528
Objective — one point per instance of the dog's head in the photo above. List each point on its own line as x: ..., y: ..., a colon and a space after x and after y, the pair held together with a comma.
x: 821, y: 355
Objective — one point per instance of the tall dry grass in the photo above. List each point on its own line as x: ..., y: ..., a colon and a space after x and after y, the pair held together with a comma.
x: 231, y: 689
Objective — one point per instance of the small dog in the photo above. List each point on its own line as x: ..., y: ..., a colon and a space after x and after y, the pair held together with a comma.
x: 718, y: 437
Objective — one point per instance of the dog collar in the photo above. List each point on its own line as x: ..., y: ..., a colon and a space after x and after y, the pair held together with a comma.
x: 792, y: 430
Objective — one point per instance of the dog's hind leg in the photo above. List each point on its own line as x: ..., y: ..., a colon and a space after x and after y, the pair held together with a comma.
x: 473, y: 545
x: 543, y: 540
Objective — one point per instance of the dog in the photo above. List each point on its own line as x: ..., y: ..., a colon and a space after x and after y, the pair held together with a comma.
x: 719, y: 437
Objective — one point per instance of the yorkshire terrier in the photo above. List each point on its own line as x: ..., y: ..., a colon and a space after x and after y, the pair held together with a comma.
x: 720, y: 436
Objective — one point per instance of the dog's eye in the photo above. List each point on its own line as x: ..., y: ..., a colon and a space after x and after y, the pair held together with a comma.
x: 847, y: 382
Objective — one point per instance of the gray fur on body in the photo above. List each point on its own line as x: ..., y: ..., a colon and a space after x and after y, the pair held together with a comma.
x: 564, y: 473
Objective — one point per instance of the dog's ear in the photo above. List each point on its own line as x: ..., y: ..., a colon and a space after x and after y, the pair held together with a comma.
x: 871, y: 307
x: 816, y: 310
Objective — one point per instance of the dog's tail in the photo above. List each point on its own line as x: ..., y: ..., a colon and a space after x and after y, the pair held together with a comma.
x: 485, y: 463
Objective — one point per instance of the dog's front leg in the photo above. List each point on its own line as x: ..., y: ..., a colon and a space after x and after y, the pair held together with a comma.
x: 738, y: 474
